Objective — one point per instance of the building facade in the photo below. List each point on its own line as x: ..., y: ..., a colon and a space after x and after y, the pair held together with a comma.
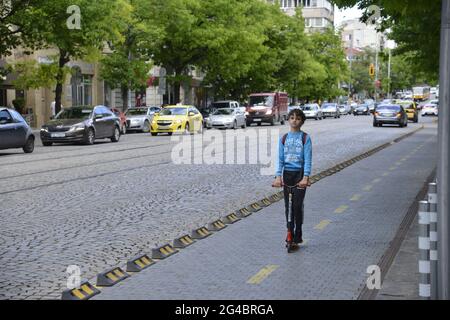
x: 356, y: 34
x: 318, y: 14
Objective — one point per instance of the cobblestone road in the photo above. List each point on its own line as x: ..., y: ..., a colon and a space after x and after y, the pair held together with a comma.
x: 96, y: 206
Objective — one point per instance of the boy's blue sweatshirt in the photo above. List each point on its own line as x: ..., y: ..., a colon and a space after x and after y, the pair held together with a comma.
x: 293, y: 156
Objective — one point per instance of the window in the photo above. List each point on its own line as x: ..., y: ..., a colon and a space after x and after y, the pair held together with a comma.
x: 5, y: 117
x: 17, y: 117
x: 318, y: 22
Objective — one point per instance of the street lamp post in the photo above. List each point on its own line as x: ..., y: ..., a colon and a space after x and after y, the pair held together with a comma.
x: 443, y: 173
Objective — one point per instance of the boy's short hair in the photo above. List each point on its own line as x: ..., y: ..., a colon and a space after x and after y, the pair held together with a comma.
x: 298, y: 113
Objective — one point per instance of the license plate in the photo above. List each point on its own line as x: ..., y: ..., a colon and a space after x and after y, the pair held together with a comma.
x: 58, y: 135
x: 257, y: 120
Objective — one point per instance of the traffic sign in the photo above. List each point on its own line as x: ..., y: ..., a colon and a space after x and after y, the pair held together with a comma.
x: 372, y: 70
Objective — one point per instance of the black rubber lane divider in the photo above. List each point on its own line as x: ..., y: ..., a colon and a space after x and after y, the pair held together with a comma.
x: 139, y: 263
x: 264, y: 203
x: 200, y: 233
x: 243, y: 213
x: 217, y: 225
x: 183, y: 242
x: 231, y: 218
x: 111, y: 277
x: 84, y: 292
x: 163, y: 252
x: 254, y: 207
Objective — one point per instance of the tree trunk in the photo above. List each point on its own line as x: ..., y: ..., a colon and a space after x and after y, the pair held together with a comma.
x: 124, y: 98
x: 63, y: 59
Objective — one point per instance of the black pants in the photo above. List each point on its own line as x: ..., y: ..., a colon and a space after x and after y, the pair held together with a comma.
x: 292, y: 178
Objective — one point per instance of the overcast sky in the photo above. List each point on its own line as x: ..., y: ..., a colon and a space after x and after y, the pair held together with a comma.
x: 341, y: 15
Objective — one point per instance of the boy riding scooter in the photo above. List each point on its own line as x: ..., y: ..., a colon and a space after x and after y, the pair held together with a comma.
x: 293, y: 171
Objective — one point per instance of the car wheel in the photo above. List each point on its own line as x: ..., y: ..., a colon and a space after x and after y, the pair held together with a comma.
x: 146, y: 128
x: 186, y: 129
x: 154, y: 134
x: 116, y: 136
x: 380, y: 124
x: 375, y: 124
x: 170, y: 133
x: 244, y: 125
x: 47, y: 144
x: 90, y: 137
x: 259, y: 124
x: 29, y: 146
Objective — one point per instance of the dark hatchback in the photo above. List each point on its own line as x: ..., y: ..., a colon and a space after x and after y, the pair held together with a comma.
x: 81, y: 124
x: 15, y: 131
x: 390, y: 114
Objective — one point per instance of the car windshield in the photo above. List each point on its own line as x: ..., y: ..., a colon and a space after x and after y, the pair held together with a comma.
x: 173, y: 112
x: 136, y: 112
x: 223, y: 112
x: 388, y: 108
x: 308, y: 108
x: 218, y: 105
x: 261, y: 101
x: 74, y: 113
x: 328, y: 106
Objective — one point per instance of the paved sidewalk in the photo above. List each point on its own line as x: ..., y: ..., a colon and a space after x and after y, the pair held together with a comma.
x: 402, y: 279
x: 351, y: 217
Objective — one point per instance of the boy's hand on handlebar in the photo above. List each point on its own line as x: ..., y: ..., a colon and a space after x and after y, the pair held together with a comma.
x: 278, y: 183
x: 304, y: 183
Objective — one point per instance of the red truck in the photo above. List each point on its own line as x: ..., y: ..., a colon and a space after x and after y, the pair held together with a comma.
x: 267, y: 108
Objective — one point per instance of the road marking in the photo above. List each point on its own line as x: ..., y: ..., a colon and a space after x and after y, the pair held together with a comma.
x: 355, y: 197
x: 392, y: 168
x: 376, y: 180
x: 322, y: 225
x: 368, y: 188
x: 262, y: 274
x: 385, y: 174
x: 341, y: 209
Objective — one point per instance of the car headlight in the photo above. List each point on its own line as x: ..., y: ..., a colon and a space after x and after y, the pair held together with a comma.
x: 179, y: 121
x: 78, y: 127
x: 44, y: 129
x: 269, y: 112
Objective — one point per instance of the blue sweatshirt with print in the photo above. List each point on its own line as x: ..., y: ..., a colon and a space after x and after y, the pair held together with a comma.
x: 293, y: 156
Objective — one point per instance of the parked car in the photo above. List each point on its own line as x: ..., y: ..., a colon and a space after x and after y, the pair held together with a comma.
x: 139, y: 119
x: 433, y: 90
x: 267, y: 108
x: 227, y: 119
x: 227, y: 104
x: 330, y: 110
x: 313, y: 111
x: 15, y: 131
x: 177, y: 118
x: 390, y: 114
x: 435, y: 101
x: 122, y: 120
x: 362, y: 109
x: 411, y: 109
x: 81, y: 124
x: 430, y: 110
x: 344, y: 109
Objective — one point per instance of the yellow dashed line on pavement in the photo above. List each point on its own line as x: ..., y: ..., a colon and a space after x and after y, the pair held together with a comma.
x: 322, y: 225
x: 341, y: 209
x: 262, y: 274
x: 355, y: 197
x: 368, y: 188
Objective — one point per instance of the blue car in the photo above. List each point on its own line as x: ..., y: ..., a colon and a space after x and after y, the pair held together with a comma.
x: 15, y: 131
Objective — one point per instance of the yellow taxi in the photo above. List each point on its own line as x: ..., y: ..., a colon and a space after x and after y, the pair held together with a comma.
x: 410, y: 108
x: 177, y: 118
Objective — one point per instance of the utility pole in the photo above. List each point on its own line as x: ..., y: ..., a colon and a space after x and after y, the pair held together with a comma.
x: 389, y: 74
x: 376, y: 68
x: 443, y: 173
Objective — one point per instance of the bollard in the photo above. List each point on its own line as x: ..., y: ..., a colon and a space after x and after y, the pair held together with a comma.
x: 424, y: 250
x: 432, y: 200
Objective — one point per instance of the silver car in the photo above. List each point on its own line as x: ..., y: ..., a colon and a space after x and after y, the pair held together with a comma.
x: 312, y: 111
x: 227, y: 118
x: 139, y: 119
